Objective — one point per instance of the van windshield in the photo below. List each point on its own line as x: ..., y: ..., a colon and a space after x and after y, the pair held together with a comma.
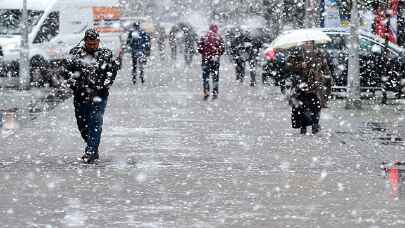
x: 10, y: 20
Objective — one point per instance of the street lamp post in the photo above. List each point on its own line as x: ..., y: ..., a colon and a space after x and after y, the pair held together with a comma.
x: 353, y: 99
x: 24, y: 63
x: 307, y: 16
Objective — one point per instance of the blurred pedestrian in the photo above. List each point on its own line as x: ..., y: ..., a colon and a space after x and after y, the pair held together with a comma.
x: 274, y: 68
x: 161, y: 41
x: 190, y: 38
x: 309, y: 68
x: 245, y: 50
x: 211, y: 47
x: 253, y: 44
x: 238, y: 52
x: 139, y: 43
x: 90, y: 71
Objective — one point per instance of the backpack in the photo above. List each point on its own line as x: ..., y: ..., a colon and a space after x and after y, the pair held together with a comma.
x: 211, y: 45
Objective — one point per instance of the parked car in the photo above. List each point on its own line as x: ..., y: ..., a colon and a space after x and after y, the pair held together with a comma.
x: 381, y: 65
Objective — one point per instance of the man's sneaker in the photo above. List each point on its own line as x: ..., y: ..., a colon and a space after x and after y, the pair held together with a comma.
x: 252, y: 84
x: 89, y: 158
x: 142, y: 80
x: 303, y: 130
x: 315, y: 129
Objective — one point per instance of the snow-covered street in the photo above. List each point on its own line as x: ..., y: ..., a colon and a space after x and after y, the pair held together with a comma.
x: 169, y: 159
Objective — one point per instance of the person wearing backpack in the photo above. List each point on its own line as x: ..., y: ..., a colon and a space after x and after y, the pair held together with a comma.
x: 139, y: 43
x: 211, y: 47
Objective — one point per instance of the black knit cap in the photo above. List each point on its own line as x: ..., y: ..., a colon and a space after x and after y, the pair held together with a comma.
x: 91, y: 34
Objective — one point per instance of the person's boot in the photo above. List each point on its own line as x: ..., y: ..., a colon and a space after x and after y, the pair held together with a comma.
x: 315, y: 128
x: 89, y: 157
x: 214, y: 95
x: 206, y: 94
x: 303, y: 130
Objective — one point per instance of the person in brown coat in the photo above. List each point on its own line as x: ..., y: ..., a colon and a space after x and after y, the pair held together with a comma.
x: 310, y: 91
x: 317, y: 68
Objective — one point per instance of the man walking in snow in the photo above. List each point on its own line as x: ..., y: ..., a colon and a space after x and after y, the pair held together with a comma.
x: 139, y: 42
x: 211, y: 47
x: 308, y: 97
x: 90, y: 71
x: 245, y: 49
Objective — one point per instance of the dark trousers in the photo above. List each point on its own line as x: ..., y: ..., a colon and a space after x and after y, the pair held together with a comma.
x: 210, y: 67
x: 138, y: 63
x: 241, y: 67
x: 89, y: 117
x: 252, y: 70
x: 307, y: 113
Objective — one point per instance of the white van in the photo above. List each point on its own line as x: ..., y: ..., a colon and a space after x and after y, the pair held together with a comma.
x: 55, y: 26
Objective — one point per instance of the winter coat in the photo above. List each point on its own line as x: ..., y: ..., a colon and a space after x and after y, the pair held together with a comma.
x: 190, y: 39
x: 139, y: 42
x: 211, y: 45
x: 252, y: 45
x: 312, y: 68
x: 90, y: 75
x: 305, y: 103
x: 303, y: 113
x: 245, y: 47
x: 238, y: 47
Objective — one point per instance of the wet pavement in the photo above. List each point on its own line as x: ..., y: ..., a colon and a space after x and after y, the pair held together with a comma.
x: 19, y: 107
x: 171, y: 159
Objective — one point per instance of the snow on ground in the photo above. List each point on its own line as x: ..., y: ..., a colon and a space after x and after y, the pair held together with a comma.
x: 171, y: 159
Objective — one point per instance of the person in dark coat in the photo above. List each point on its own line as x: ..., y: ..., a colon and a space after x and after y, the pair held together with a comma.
x: 238, y: 52
x: 190, y: 39
x: 90, y: 71
x: 139, y: 43
x: 307, y: 70
x: 253, y: 44
x: 161, y: 41
x: 211, y: 47
x: 245, y: 50
x: 275, y: 69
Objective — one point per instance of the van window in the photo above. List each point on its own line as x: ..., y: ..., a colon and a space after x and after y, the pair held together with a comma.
x: 49, y: 29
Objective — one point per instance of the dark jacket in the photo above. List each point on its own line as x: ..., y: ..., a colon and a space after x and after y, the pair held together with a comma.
x: 252, y: 45
x: 211, y: 45
x: 245, y: 47
x: 90, y: 75
x: 312, y: 68
x: 139, y: 42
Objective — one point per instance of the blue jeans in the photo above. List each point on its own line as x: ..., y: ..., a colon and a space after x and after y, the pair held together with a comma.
x: 210, y: 67
x: 89, y: 117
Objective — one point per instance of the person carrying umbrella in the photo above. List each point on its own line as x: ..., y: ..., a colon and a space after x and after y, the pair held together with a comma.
x: 308, y: 92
